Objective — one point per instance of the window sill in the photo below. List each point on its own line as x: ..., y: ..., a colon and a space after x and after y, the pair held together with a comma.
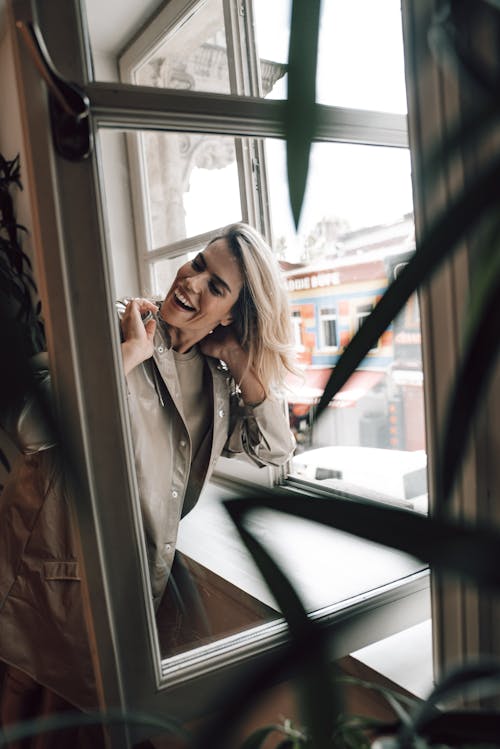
x: 405, y: 658
x: 302, y: 548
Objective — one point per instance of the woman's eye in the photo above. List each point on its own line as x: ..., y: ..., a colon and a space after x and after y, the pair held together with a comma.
x: 195, y: 264
x: 214, y: 289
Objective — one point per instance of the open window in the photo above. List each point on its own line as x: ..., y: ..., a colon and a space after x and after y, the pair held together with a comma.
x: 357, y: 222
x: 191, y: 139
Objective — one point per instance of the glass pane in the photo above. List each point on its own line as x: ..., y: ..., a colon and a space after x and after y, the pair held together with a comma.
x: 209, y: 595
x: 360, y: 55
x: 191, y: 185
x: 356, y: 232
x: 192, y: 56
x: 163, y: 273
x: 149, y: 45
x: 213, y: 596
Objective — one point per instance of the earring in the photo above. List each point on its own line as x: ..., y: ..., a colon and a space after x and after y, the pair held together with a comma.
x: 210, y: 331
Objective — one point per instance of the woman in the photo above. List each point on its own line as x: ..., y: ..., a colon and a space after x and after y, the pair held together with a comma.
x: 227, y: 305
x: 202, y: 380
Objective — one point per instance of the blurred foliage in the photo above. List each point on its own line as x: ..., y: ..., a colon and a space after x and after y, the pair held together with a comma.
x: 300, y: 113
x: 450, y: 544
x: 18, y: 291
x: 471, y: 551
x: 21, y: 327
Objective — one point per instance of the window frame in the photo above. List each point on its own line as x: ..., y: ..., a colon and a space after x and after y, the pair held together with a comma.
x: 349, y: 126
x: 326, y: 314
x: 296, y: 319
x: 126, y: 646
x: 360, y: 316
x: 463, y: 614
x: 244, y: 79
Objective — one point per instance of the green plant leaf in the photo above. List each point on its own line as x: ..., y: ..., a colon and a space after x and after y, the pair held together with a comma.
x: 480, y: 677
x: 463, y: 728
x: 454, y: 546
x: 257, y: 738
x: 435, y: 246
x: 290, y: 744
x: 4, y: 461
x: 372, y: 725
x: 300, y: 109
x: 61, y: 721
x: 306, y: 651
x: 286, y: 662
x: 402, y: 699
x: 318, y: 696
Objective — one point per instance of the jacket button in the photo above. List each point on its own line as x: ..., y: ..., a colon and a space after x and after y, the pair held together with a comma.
x: 175, y: 493
x: 182, y: 443
x: 221, y: 412
x: 160, y: 349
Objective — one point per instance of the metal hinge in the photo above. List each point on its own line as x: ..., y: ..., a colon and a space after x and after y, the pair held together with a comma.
x: 69, y: 106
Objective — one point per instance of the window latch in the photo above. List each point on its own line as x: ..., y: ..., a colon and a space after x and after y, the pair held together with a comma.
x: 69, y: 106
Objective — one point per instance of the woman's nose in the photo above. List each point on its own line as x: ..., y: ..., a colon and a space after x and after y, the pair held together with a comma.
x: 193, y: 283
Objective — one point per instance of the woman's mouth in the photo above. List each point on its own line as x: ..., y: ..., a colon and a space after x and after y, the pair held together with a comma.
x: 182, y: 301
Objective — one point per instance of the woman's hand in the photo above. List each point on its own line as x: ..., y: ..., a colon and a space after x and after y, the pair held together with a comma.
x: 223, y: 343
x: 138, y: 336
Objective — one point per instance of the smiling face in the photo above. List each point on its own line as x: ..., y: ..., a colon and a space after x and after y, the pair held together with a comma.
x: 203, y: 293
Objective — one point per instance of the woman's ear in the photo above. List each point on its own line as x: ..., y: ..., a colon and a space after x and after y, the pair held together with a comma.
x: 227, y: 320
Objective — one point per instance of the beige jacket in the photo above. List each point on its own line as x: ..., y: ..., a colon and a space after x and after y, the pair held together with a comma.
x: 41, y: 616
x: 168, y: 489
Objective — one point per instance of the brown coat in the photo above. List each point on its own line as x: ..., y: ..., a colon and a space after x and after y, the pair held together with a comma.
x: 42, y: 629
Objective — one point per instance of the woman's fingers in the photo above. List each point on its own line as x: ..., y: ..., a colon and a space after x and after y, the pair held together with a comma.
x: 150, y: 327
x: 144, y: 305
x: 132, y: 323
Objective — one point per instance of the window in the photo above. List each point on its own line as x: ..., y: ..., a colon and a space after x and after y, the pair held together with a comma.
x: 357, y: 221
x: 350, y: 231
x: 357, y: 224
x: 296, y: 330
x: 362, y: 312
x: 328, y: 327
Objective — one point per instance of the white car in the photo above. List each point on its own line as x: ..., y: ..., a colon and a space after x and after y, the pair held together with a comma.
x: 385, y: 474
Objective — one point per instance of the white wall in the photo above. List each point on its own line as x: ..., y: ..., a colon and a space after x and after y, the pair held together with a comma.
x: 118, y: 207
x: 118, y: 211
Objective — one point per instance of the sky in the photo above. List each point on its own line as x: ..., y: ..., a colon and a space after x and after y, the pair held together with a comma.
x: 361, y: 66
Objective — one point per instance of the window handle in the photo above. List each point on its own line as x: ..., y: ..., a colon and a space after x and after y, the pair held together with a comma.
x: 68, y: 103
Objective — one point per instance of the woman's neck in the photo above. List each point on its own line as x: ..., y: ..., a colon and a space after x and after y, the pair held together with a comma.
x: 182, y: 341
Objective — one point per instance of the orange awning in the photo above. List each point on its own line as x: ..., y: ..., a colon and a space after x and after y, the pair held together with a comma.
x: 309, y: 390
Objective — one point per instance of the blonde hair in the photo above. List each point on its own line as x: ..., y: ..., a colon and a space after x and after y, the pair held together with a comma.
x: 261, y: 313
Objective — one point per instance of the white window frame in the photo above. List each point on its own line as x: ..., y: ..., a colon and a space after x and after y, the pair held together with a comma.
x: 244, y: 79
x: 326, y: 314
x: 353, y: 126
x: 463, y: 616
x: 92, y: 400
x: 296, y: 319
x: 361, y: 313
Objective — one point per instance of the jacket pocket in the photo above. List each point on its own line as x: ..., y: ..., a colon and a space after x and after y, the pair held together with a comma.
x: 61, y: 571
